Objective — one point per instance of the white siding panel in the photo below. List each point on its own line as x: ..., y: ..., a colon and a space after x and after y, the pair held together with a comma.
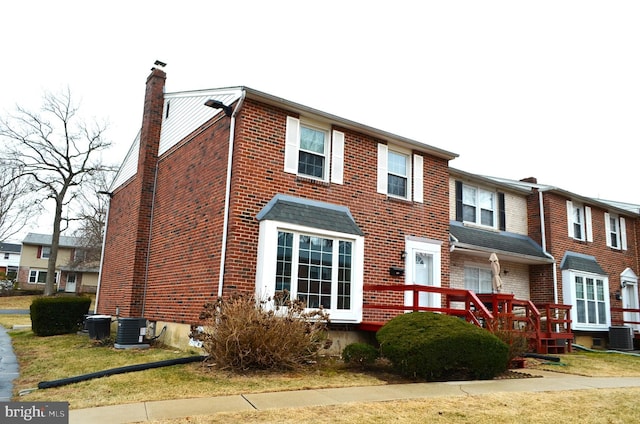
x: 129, y: 165
x: 186, y: 113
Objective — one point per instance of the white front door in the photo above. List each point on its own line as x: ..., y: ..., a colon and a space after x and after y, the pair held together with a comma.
x: 630, y: 301
x: 422, y: 267
x: 71, y: 283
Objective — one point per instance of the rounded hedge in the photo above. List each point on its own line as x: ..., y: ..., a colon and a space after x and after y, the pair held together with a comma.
x: 359, y: 354
x: 439, y: 347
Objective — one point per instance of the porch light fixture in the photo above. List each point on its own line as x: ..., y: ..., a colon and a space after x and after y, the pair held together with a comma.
x: 217, y: 104
x: 403, y: 255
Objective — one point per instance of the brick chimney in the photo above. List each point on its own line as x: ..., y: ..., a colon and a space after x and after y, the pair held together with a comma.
x: 532, y: 180
x: 147, y: 160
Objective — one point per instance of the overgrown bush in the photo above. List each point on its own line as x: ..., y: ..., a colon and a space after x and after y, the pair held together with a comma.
x: 55, y: 315
x: 439, y: 347
x: 241, y: 334
x: 359, y: 354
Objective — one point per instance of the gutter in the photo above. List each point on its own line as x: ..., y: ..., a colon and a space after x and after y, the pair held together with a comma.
x: 227, y: 195
x: 104, y: 242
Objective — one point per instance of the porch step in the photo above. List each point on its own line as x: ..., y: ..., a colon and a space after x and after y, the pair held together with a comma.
x: 553, y: 345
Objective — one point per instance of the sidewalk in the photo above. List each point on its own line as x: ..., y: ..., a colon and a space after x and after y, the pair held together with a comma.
x: 171, y: 409
x: 8, y: 366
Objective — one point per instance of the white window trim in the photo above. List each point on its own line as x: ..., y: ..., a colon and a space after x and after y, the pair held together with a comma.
x: 334, y: 146
x: 478, y: 221
x: 587, y: 229
x: 267, y: 257
x: 38, y: 271
x: 569, y: 293
x: 479, y: 267
x: 621, y: 235
x: 415, y: 173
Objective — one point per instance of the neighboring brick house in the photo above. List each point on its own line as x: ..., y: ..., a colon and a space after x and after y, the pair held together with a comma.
x: 492, y: 217
x: 596, y: 265
x: 257, y: 194
x: 73, y: 274
x: 9, y: 260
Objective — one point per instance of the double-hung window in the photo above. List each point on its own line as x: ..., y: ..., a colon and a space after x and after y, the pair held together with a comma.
x: 478, y: 205
x: 616, y: 230
x: 579, y: 221
x: 478, y: 279
x: 400, y: 173
x: 313, y: 151
x: 45, y: 252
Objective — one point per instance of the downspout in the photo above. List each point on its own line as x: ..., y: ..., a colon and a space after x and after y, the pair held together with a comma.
x: 104, y: 242
x: 148, y: 258
x: 544, y: 248
x: 227, y: 195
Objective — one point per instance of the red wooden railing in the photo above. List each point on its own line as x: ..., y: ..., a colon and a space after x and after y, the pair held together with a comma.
x: 546, y: 326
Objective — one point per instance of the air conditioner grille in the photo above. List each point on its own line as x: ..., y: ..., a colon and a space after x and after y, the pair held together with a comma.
x: 621, y: 338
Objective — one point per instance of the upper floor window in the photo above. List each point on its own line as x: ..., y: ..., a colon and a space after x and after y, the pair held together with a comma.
x: 6, y: 256
x: 480, y: 206
x: 616, y: 230
x: 579, y: 221
x: 312, y: 149
x: 400, y: 174
x: 45, y: 252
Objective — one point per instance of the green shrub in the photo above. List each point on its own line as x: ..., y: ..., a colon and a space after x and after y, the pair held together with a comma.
x: 55, y: 315
x: 240, y: 333
x: 439, y: 347
x: 359, y: 354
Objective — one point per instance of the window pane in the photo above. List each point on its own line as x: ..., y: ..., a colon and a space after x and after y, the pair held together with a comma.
x: 602, y: 313
x: 486, y: 284
x: 397, y: 186
x: 469, y: 195
x: 312, y: 140
x: 600, y: 290
x: 284, y: 260
x: 471, y: 279
x: 397, y: 164
x: 311, y: 164
x: 579, y: 288
x: 591, y: 311
x: 315, y: 271
x: 486, y: 217
x: 582, y: 313
x: 469, y: 213
x: 590, y: 291
x: 485, y: 199
x: 42, y: 276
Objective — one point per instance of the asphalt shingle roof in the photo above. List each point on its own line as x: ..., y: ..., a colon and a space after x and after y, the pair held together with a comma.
x: 502, y: 241
x: 311, y: 213
x: 580, y: 262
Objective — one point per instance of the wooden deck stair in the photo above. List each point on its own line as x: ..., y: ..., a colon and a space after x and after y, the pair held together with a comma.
x: 547, y: 326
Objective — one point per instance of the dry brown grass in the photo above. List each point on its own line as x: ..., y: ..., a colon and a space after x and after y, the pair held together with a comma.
x: 583, y: 406
x: 50, y: 358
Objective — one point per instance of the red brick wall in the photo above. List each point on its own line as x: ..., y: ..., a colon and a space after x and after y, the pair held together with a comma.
x: 612, y: 261
x: 258, y: 176
x: 189, y: 205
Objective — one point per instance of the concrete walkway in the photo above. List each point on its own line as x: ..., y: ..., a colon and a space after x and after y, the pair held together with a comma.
x: 171, y: 409
x: 8, y: 366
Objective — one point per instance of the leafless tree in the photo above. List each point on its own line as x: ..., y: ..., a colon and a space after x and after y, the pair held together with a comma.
x: 92, y: 204
x: 56, y: 152
x: 17, y: 206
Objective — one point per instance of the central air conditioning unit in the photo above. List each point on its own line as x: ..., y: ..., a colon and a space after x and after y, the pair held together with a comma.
x: 621, y: 338
x: 131, y: 333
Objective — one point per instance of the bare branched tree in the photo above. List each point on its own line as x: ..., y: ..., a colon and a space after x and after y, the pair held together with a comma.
x: 92, y: 204
x: 56, y: 152
x: 17, y: 206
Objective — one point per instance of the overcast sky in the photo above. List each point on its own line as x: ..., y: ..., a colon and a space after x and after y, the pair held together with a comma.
x: 549, y: 89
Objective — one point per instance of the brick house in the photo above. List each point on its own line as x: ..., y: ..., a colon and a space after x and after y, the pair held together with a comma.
x: 73, y: 274
x: 233, y: 189
x: 596, y: 264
